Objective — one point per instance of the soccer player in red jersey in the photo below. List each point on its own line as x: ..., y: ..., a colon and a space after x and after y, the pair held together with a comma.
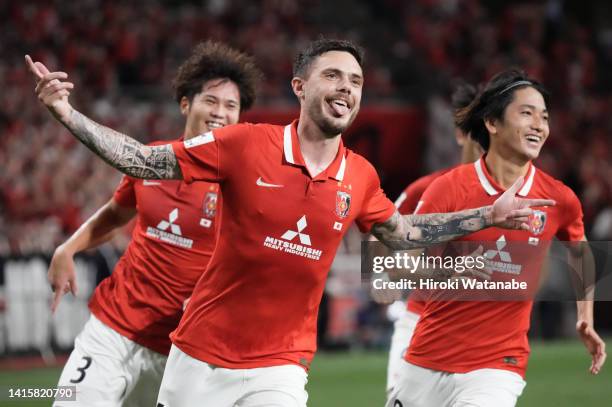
x: 120, y: 355
x: 474, y: 353
x: 290, y: 192
x: 406, y: 203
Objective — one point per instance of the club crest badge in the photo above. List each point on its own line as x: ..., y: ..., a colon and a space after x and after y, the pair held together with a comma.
x: 537, y: 222
x: 210, y: 205
x: 343, y: 204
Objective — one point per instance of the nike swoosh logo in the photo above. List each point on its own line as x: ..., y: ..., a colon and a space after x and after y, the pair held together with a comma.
x: 261, y: 183
x: 148, y: 183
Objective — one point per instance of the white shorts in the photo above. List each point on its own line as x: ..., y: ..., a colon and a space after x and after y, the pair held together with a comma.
x: 110, y: 370
x: 189, y: 382
x: 420, y: 387
x: 403, y: 328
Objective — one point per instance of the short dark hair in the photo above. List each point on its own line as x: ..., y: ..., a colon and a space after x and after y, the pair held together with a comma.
x: 492, y: 101
x: 463, y: 95
x: 211, y: 60
x: 304, y: 59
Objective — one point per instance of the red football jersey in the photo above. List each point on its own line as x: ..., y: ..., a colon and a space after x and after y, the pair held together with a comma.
x: 172, y: 242
x: 461, y: 336
x: 257, y: 303
x: 406, y: 204
x: 409, y: 199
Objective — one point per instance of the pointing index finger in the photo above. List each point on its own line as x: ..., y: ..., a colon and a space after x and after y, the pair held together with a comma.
x: 541, y: 202
x: 33, y: 67
x: 42, y: 68
x: 57, y: 297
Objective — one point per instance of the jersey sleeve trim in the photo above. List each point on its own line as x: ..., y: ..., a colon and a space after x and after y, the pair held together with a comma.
x: 205, y: 138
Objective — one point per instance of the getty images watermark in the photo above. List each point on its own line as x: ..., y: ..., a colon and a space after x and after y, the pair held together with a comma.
x: 433, y: 272
x: 492, y: 270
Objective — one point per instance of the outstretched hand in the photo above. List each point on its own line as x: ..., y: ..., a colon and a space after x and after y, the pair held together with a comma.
x: 52, y: 89
x: 512, y: 212
x: 594, y: 344
x: 61, y: 276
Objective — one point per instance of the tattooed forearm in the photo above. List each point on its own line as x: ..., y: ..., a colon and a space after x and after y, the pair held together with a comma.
x: 389, y: 232
x: 122, y: 152
x: 441, y: 227
x: 414, y: 231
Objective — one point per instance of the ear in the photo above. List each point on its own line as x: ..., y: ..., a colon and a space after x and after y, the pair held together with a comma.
x: 185, y: 106
x: 460, y: 137
x: 491, y: 125
x: 297, y: 84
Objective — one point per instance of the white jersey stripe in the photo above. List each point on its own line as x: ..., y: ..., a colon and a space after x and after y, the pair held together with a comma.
x: 400, y: 199
x: 528, y: 183
x: 288, y: 145
x: 483, y: 178
x: 340, y: 175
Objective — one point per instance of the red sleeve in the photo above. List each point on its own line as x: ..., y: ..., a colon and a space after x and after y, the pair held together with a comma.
x: 212, y: 156
x: 438, y: 197
x: 377, y: 208
x: 409, y: 199
x: 399, y: 201
x: 571, y: 227
x: 124, y: 194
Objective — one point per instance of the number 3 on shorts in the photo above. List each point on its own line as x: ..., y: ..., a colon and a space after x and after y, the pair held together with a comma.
x: 81, y: 370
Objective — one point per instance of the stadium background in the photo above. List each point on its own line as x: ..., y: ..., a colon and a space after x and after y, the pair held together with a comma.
x: 122, y: 58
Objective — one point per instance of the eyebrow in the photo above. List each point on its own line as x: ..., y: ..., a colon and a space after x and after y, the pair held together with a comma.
x: 208, y: 95
x: 338, y: 71
x: 532, y: 107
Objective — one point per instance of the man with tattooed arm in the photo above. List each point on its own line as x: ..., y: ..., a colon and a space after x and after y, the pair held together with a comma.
x: 290, y: 193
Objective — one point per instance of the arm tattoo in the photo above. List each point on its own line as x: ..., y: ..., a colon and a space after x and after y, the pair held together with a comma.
x: 122, y: 152
x: 388, y: 232
x: 414, y: 231
x: 441, y: 227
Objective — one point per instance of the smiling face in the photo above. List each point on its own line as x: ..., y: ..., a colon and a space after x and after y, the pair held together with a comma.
x: 524, y: 127
x: 330, y: 93
x: 217, y: 105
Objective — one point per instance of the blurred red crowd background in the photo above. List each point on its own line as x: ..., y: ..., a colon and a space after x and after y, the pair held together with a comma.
x: 122, y: 58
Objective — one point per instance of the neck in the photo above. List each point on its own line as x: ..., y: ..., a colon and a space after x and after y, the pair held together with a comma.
x: 188, y: 132
x: 505, y: 171
x: 470, y: 153
x: 318, y: 149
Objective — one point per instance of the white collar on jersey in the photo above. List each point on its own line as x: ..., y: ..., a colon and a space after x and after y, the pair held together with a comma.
x: 288, y: 149
x: 490, y: 189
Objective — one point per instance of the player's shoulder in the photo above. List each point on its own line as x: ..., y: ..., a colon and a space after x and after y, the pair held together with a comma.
x: 258, y: 127
x: 241, y: 134
x: 275, y: 130
x: 161, y: 142
x: 359, y: 164
x: 461, y: 170
x: 418, y: 186
x: 454, y: 177
x: 273, y: 133
x: 238, y: 129
x: 268, y: 127
x: 554, y: 188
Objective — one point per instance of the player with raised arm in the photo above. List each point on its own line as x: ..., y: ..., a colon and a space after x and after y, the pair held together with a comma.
x: 120, y: 355
x: 406, y: 203
x: 290, y: 192
x: 474, y: 353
